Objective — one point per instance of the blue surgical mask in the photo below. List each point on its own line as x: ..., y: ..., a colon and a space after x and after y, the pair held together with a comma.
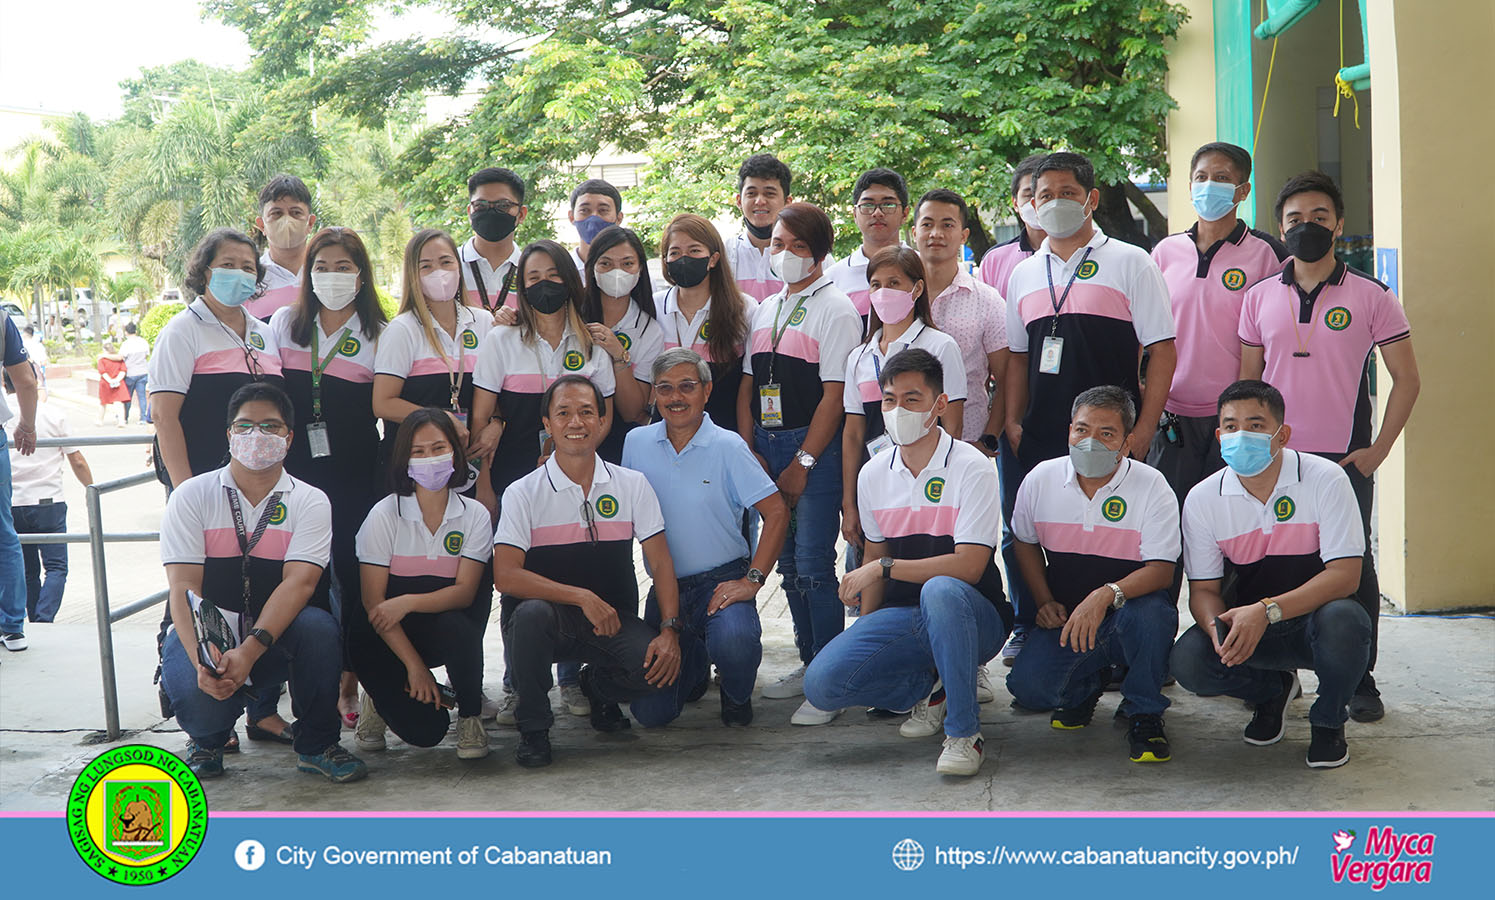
x: 232, y: 287
x: 1247, y: 453
x: 587, y: 229
x: 1213, y: 200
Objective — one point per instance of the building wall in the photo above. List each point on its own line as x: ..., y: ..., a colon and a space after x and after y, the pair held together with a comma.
x: 1191, y: 82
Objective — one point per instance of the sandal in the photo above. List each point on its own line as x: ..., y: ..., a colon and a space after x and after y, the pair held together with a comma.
x: 232, y: 744
x: 288, y: 736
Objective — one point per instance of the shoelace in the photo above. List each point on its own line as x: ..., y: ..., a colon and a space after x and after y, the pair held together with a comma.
x: 337, y: 753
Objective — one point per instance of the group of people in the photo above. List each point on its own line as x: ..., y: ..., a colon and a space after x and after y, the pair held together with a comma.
x: 542, y: 409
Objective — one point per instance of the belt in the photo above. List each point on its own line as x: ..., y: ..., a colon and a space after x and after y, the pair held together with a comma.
x: 712, y: 575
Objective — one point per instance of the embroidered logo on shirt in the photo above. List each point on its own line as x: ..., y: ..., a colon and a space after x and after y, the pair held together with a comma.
x: 1114, y: 509
x: 705, y: 332
x: 1234, y: 279
x: 256, y: 340
x: 1087, y: 270
x: 934, y: 490
x: 1284, y: 508
x: 1337, y: 318
x: 798, y: 317
x: 349, y: 347
x: 623, y: 339
x: 573, y: 360
x: 607, y: 506
x: 469, y: 340
x: 453, y: 542
x: 278, y: 514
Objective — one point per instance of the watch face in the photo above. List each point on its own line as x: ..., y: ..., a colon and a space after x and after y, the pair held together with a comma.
x: 989, y: 441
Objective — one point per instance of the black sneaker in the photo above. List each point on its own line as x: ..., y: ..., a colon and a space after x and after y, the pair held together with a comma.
x: 1268, y: 724
x: 1149, y: 743
x: 533, y: 750
x: 1366, y: 705
x: 698, y: 691
x: 1075, y: 717
x: 736, y: 713
x: 606, y: 716
x: 1328, y: 749
x: 203, y: 762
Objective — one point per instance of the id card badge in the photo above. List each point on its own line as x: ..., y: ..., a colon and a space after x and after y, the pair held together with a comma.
x: 1048, y: 360
x: 771, y: 406
x: 317, y: 440
x: 544, y: 436
x: 878, y: 444
x: 461, y: 416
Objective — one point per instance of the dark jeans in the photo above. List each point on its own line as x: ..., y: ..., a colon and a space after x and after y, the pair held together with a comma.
x: 448, y: 638
x: 1010, y: 475
x: 733, y: 639
x: 43, y: 598
x: 1333, y: 641
x: 1194, y: 458
x: 307, y: 653
x: 542, y: 633
x: 137, y: 385
x: 1368, y: 595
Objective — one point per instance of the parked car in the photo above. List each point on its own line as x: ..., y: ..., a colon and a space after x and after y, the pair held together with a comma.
x: 16, y: 313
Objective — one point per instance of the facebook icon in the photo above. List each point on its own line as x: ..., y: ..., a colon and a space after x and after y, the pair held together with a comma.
x: 250, y: 855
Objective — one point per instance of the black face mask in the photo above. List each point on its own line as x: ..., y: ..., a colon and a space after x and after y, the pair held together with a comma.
x: 761, y: 232
x: 492, y: 225
x: 689, y: 271
x: 1308, y: 241
x: 546, y: 297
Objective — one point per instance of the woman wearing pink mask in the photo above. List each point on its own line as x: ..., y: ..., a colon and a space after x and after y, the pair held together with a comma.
x: 899, y: 319
x: 424, y: 552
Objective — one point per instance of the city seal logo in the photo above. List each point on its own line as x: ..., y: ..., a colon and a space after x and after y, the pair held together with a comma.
x: 573, y: 361
x: 1234, y: 279
x: 705, y: 333
x: 256, y: 340
x: 1284, y: 508
x: 1337, y: 318
x: 624, y: 339
x: 607, y: 506
x: 798, y: 317
x: 934, y: 490
x: 453, y: 542
x: 137, y: 815
x: 278, y: 514
x: 469, y: 340
x: 1087, y: 270
x: 1114, y: 509
x: 349, y: 347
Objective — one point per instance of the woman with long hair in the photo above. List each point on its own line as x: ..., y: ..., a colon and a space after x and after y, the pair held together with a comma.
x: 618, y: 307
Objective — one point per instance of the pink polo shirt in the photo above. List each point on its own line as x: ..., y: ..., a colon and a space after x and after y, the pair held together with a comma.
x: 999, y: 261
x: 975, y: 315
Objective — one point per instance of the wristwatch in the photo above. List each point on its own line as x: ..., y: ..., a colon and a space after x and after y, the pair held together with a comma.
x: 887, y: 567
x: 755, y: 576
x: 989, y: 441
x: 1274, y: 612
x: 625, y: 360
x: 673, y: 622
x: 804, y: 459
x: 264, y: 637
x: 1120, y: 600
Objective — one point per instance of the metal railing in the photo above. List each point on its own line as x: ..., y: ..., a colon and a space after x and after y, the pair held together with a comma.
x: 96, y: 538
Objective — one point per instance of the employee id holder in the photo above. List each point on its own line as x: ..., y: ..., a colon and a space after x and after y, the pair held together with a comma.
x: 1050, y: 355
x: 318, y: 441
x: 461, y: 416
x: 878, y: 444
x: 771, y: 406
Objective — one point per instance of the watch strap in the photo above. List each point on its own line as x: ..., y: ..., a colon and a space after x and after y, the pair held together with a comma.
x: 264, y: 637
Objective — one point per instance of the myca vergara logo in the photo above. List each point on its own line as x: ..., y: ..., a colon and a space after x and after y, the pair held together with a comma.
x: 137, y: 814
x: 573, y: 361
x: 1387, y: 858
x: 934, y: 490
x: 453, y: 542
x: 1234, y: 279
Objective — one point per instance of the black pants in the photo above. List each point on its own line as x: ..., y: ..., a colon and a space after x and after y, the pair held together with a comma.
x: 1191, y: 457
x: 540, y: 633
x: 1369, y: 593
x: 447, y: 638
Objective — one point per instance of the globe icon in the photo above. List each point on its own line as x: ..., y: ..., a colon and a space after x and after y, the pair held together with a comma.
x: 908, y: 854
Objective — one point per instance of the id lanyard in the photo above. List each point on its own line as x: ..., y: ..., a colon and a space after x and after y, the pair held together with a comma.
x: 503, y: 295
x: 319, y: 365
x: 1058, y: 302
x: 454, y: 378
x: 777, y: 331
x: 248, y: 542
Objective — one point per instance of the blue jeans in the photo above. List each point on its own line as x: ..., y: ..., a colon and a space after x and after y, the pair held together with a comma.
x: 308, y: 653
x: 12, y: 569
x: 890, y: 657
x: 733, y: 639
x: 137, y: 385
x: 43, y: 598
x: 1138, y: 636
x: 1333, y: 641
x: 808, y: 561
x: 1010, y: 475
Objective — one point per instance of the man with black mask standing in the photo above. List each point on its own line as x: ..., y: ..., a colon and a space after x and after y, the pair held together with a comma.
x: 762, y: 190
x: 495, y: 207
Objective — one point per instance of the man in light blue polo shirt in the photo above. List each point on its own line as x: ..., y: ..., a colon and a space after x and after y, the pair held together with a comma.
x: 705, y: 477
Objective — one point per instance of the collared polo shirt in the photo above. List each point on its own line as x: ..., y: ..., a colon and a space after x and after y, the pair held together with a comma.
x: 1206, y: 289
x: 347, y: 388
x: 38, y: 477
x: 702, y: 491
x: 1337, y: 324
x: 203, y: 359
x: 420, y: 561
x: 813, y: 347
x: 545, y: 514
x: 750, y: 268
x: 1274, y: 547
x: 863, y: 395
x: 850, y: 275
x: 519, y: 371
x: 282, y: 286
x: 1089, y: 541
x: 643, y: 338
x: 954, y: 500
x: 198, y: 529
x: 726, y: 374
x: 975, y: 316
x: 581, y: 265
x: 492, y: 280
x: 998, y: 262
x: 14, y: 354
x: 1118, y: 301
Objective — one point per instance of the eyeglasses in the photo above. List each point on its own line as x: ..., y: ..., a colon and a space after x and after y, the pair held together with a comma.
x: 887, y: 207
x: 503, y: 206
x: 590, y: 520
x: 276, y: 428
x: 684, y: 388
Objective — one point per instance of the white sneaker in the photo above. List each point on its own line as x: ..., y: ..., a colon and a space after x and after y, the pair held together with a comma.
x: 472, y: 738
x: 575, y: 700
x: 788, y: 687
x: 928, y: 716
x: 501, y: 713
x: 961, y: 756
x: 984, y: 692
x: 14, y: 640
x: 369, y: 734
x: 809, y: 714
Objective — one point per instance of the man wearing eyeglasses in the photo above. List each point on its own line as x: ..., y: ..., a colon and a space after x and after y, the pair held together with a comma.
x: 705, y: 476
x: 495, y: 207
x: 252, y: 541
x: 879, y: 206
x: 563, y: 560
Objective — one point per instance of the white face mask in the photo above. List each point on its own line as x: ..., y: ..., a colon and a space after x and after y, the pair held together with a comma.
x: 1029, y: 215
x: 616, y: 282
x: 334, y: 290
x: 905, y: 426
x: 793, y: 269
x: 1061, y: 218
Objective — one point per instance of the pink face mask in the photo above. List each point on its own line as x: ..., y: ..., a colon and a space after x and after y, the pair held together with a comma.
x: 439, y: 285
x: 891, y: 305
x: 257, y: 451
